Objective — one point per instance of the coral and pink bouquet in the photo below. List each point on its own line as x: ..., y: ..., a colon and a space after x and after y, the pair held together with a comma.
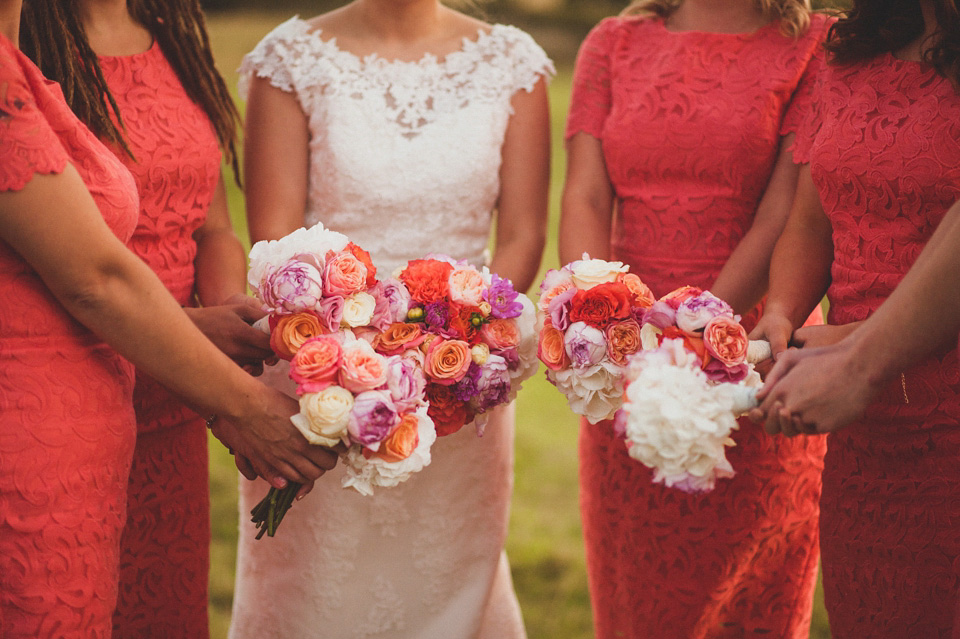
x: 326, y: 310
x: 686, y: 388
x: 473, y: 334
x: 590, y: 314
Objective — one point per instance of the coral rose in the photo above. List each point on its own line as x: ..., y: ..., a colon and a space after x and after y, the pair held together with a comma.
x: 398, y: 337
x: 401, y: 443
x: 364, y: 257
x: 677, y: 297
x: 642, y: 295
x: 362, y: 369
x: 500, y: 335
x: 726, y: 340
x: 601, y: 305
x: 623, y: 339
x: 466, y: 286
x: 289, y: 333
x: 344, y: 275
x: 447, y: 361
x: 551, y: 349
x: 315, y: 365
x: 448, y: 413
x: 427, y: 280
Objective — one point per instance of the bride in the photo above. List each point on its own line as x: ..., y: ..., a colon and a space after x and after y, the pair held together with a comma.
x: 403, y: 124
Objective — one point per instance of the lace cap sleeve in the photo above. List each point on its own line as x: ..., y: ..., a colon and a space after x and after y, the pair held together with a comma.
x: 275, y: 57
x: 803, y: 115
x: 28, y: 144
x: 530, y: 62
x: 590, y: 100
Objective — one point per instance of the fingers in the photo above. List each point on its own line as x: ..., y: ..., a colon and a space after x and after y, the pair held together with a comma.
x: 304, y: 489
x: 245, y: 467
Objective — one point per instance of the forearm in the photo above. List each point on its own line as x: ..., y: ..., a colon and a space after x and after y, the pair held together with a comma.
x: 743, y: 281
x: 586, y: 208
x: 220, y: 267
x: 517, y: 258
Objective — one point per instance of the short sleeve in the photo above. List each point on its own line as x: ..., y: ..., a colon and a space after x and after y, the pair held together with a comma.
x: 590, y: 100
x: 802, y: 115
x: 28, y: 145
x: 529, y: 61
x: 273, y: 58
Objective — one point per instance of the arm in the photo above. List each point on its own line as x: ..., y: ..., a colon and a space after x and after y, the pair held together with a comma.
x: 824, y: 389
x: 524, y: 186
x: 743, y: 280
x: 54, y: 224
x: 276, y: 161
x: 799, y: 268
x: 226, y: 312
x: 586, y: 208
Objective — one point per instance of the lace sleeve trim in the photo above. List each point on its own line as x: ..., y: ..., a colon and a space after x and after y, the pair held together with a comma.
x: 530, y: 62
x: 274, y: 57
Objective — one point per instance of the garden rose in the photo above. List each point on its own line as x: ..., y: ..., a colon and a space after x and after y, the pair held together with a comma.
x: 479, y: 353
x: 466, y: 286
x: 372, y: 418
x: 358, y: 309
x: 692, y: 343
x: 448, y: 413
x: 726, y: 340
x: 401, y: 443
x: 324, y: 415
x: 344, y: 274
x: 623, y: 339
x: 330, y: 311
x: 364, y: 257
x: 554, y: 282
x: 500, y: 335
x: 694, y: 312
x: 315, y: 366
x: 447, y: 361
x: 587, y: 273
x: 677, y: 297
x: 427, y: 280
x: 289, y: 332
x: 558, y: 310
x: 660, y: 315
x: 398, y: 337
x: 551, y: 349
x: 585, y: 345
x: 642, y: 295
x: 362, y: 369
x: 601, y: 304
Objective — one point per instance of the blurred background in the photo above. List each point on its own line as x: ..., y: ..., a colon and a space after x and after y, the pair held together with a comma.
x: 544, y: 544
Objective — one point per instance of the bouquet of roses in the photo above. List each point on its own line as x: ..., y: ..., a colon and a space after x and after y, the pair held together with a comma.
x: 590, y: 314
x: 685, y: 389
x: 473, y: 334
x: 326, y: 308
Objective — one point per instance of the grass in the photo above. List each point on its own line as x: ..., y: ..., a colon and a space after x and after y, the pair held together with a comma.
x: 544, y: 544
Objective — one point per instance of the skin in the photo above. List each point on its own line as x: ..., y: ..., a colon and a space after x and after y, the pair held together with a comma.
x: 54, y: 224
x: 588, y: 196
x: 800, y: 275
x: 276, y: 133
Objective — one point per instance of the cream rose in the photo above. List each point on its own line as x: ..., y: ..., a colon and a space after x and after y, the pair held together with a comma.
x: 466, y: 286
x: 358, y: 309
x: 324, y: 416
x: 587, y: 273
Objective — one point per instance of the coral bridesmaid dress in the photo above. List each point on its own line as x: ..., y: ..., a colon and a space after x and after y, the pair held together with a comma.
x: 165, y: 556
x: 66, y: 419
x: 690, y: 124
x: 884, y: 152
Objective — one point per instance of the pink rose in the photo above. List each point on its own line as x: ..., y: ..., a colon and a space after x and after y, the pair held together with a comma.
x: 344, y: 274
x: 726, y: 340
x: 447, y: 360
x: 466, y: 286
x: 500, y: 334
x: 314, y: 367
x: 362, y: 368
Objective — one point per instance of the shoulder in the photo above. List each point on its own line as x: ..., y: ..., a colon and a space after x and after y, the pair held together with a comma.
x: 280, y: 55
x: 612, y: 32
x: 516, y: 52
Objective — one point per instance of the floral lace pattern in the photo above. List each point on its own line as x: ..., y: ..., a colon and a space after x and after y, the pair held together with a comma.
x: 66, y: 422
x: 884, y: 151
x: 165, y: 545
x: 690, y: 124
x: 405, y: 160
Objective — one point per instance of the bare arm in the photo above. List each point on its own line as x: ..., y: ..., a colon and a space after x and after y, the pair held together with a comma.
x: 524, y: 185
x: 586, y: 210
x: 743, y: 280
x: 276, y: 161
x: 54, y: 224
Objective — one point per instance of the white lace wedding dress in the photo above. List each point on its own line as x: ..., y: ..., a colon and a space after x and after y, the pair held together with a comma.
x: 405, y: 160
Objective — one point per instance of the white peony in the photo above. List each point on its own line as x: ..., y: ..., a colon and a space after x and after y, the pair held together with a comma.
x: 595, y: 392
x: 587, y: 273
x: 270, y: 254
x: 363, y: 474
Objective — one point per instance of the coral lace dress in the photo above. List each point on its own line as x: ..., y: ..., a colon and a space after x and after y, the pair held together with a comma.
x: 165, y: 551
x: 690, y: 125
x: 884, y: 152
x: 66, y: 418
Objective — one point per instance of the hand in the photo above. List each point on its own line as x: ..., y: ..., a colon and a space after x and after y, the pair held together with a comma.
x: 824, y: 335
x: 777, y: 330
x: 270, y: 444
x: 229, y: 327
x: 814, y: 390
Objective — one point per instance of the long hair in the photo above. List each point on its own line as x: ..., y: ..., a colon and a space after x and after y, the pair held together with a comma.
x: 52, y: 35
x: 794, y: 15
x: 874, y: 27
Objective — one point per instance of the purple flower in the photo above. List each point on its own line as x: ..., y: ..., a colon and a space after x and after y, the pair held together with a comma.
x: 330, y: 311
x: 502, y: 298
x: 585, y: 345
x: 406, y: 383
x: 372, y: 418
x: 467, y: 387
x: 493, y: 384
x: 293, y: 287
x: 660, y: 315
x: 559, y: 309
x: 436, y: 316
x: 694, y: 313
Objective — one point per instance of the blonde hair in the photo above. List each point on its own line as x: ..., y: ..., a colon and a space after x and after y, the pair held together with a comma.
x: 794, y: 15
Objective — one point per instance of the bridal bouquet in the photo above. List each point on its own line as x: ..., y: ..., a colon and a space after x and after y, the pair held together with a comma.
x: 685, y: 389
x: 590, y: 313
x: 473, y: 334
x: 326, y: 308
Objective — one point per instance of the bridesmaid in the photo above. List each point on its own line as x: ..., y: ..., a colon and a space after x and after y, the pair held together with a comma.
x: 67, y: 427
x: 679, y: 165
x: 882, y: 167
x: 160, y: 104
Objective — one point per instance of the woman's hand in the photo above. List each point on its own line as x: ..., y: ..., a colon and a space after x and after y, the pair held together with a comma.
x: 229, y: 327
x: 818, y: 336
x: 776, y: 329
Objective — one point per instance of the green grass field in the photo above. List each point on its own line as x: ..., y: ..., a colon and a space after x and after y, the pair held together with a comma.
x: 544, y: 545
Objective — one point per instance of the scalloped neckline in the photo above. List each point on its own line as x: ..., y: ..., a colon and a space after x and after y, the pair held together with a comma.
x: 744, y: 35
x: 467, y: 46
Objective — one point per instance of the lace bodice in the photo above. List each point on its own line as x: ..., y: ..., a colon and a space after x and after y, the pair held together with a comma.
x: 371, y: 119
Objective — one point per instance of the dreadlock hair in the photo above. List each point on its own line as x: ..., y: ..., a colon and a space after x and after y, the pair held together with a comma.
x: 873, y: 27
x: 52, y: 35
x: 794, y: 15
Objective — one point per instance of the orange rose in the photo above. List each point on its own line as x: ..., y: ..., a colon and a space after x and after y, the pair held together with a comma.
x: 401, y: 443
x: 693, y: 344
x: 447, y: 361
x: 500, y: 334
x: 551, y: 350
x: 291, y: 331
x: 601, y: 305
x: 427, y: 280
x: 642, y: 295
x: 623, y: 339
x: 364, y: 257
x: 448, y: 413
x: 398, y: 337
x: 726, y: 340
